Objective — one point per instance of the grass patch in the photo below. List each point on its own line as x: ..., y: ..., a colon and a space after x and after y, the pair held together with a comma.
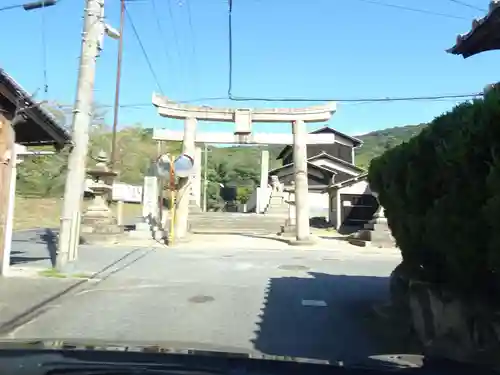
x: 81, y: 276
x: 46, y: 212
x: 52, y: 272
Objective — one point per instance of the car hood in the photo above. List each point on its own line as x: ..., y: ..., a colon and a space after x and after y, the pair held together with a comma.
x: 391, y: 360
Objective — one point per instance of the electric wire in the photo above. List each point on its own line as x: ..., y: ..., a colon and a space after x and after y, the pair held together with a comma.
x: 174, y: 31
x: 468, y: 5
x: 193, y: 43
x: 44, y: 52
x: 415, y: 10
x: 357, y: 100
x: 162, y: 32
x: 350, y: 102
x: 143, y: 49
x: 340, y: 99
x: 230, y: 48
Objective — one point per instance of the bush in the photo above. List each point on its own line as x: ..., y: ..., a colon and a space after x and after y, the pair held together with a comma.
x: 441, y: 193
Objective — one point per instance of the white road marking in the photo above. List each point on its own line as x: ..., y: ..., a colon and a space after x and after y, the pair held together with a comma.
x: 314, y: 302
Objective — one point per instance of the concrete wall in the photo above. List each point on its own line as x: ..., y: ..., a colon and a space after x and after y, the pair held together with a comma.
x: 258, y: 200
x: 318, y: 204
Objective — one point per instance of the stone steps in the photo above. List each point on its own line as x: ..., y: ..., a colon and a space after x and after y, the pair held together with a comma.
x: 235, y: 223
x: 277, y: 206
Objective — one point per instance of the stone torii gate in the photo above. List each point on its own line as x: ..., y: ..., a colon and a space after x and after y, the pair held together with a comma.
x: 243, y: 119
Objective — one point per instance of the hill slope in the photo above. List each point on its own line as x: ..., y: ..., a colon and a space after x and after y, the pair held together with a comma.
x: 376, y: 142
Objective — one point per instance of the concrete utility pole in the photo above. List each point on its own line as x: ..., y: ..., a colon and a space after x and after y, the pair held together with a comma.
x: 82, y: 117
x: 117, y: 86
x: 182, y: 212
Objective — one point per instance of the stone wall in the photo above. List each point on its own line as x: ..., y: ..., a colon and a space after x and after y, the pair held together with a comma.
x: 447, y: 326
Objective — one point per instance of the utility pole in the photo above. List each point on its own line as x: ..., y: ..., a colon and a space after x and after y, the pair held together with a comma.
x: 117, y: 87
x: 182, y: 209
x: 82, y: 116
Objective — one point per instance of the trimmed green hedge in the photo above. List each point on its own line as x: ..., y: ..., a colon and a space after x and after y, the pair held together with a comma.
x: 441, y: 193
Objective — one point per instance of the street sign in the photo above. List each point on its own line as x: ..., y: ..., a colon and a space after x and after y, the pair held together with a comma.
x: 126, y: 192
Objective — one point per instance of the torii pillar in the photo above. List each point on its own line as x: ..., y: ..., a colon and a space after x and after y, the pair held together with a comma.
x: 243, y: 119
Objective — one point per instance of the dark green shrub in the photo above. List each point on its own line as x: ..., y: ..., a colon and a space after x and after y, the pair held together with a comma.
x: 441, y: 193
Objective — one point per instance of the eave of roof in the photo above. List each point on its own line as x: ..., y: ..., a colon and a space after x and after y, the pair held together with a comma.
x: 314, y: 166
x: 349, y: 182
x: 357, y: 142
x: 44, y: 119
x: 282, y: 153
x: 326, y: 155
x: 483, y: 36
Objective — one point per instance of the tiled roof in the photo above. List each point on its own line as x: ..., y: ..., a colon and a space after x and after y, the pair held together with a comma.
x: 309, y: 164
x: 349, y: 182
x: 326, y: 155
x: 326, y: 129
x: 356, y: 141
x: 47, y: 130
x: 484, y: 35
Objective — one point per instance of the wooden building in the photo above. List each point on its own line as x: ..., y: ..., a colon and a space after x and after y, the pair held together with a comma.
x: 25, y: 122
x: 327, y: 164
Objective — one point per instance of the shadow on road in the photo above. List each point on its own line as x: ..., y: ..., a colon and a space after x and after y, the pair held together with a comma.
x: 270, y: 236
x: 50, y: 239
x: 293, y: 325
x: 42, y: 236
x: 19, y: 257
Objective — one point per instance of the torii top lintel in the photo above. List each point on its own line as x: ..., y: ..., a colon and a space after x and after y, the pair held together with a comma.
x: 171, y: 109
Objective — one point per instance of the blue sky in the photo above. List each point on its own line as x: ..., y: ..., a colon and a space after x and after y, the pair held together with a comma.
x: 282, y: 48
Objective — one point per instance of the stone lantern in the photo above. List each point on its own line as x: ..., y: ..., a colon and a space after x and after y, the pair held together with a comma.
x: 376, y: 231
x: 379, y: 215
x: 99, y: 224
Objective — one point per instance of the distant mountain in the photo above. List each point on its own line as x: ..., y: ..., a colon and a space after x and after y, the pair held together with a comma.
x: 378, y: 141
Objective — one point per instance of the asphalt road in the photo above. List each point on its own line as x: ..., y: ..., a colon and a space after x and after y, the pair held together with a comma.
x: 312, y: 304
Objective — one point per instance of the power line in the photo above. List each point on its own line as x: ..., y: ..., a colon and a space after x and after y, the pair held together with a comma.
x: 161, y: 30
x: 148, y: 61
x: 130, y: 105
x: 193, y: 40
x: 356, y: 100
x: 436, y: 98
x: 230, y: 47
x: 9, y: 7
x: 468, y: 5
x: 174, y: 30
x: 338, y: 100
x: 44, y: 52
x: 416, y: 10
